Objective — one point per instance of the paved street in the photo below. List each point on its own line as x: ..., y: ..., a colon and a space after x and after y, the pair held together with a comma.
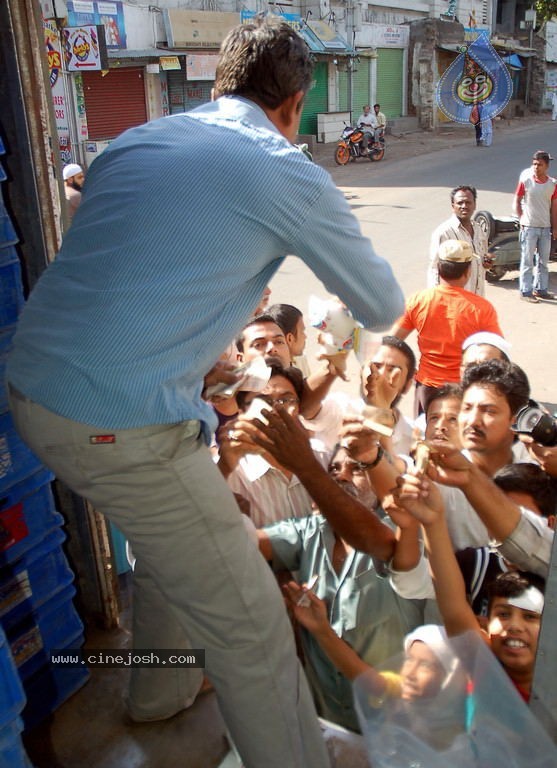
x: 399, y: 202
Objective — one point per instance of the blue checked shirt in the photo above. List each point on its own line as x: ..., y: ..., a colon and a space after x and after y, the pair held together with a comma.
x: 183, y: 222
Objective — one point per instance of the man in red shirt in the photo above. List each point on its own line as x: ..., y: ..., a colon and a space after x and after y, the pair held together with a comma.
x: 444, y: 316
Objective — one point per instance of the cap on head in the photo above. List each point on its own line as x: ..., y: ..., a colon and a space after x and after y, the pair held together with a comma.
x: 72, y: 169
x: 541, y: 154
x: 486, y: 337
x: 435, y: 638
x: 455, y: 251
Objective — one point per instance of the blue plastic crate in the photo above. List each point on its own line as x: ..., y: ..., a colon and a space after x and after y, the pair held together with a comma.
x: 8, y: 235
x: 27, y: 515
x: 12, y: 752
x: 11, y: 289
x: 16, y: 460
x: 6, y: 337
x: 50, y: 687
x: 36, y: 577
x: 12, y: 698
x: 55, y: 624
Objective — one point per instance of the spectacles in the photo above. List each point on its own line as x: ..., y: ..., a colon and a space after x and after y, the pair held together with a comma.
x: 288, y: 401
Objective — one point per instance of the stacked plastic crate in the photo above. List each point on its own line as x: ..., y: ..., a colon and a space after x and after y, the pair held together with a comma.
x: 36, y: 583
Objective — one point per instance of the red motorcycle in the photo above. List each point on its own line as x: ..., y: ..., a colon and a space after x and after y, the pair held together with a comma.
x: 349, y: 146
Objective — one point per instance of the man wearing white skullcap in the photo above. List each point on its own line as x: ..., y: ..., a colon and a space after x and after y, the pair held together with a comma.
x: 73, y: 183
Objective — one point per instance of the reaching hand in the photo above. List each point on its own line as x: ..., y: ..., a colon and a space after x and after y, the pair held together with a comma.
x: 312, y: 613
x: 420, y: 497
x: 360, y: 441
x: 448, y: 465
x: 382, y: 386
x: 283, y: 437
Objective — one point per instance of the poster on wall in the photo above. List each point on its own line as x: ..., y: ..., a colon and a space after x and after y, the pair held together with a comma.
x: 84, y: 48
x: 201, y: 66
x: 54, y: 55
x: 106, y: 14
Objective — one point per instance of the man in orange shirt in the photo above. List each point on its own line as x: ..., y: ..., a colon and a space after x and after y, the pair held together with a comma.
x: 444, y: 316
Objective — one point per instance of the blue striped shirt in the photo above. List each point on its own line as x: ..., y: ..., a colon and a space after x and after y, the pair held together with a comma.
x: 183, y: 222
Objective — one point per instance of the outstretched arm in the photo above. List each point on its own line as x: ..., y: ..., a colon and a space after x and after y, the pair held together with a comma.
x: 422, y: 499
x: 312, y: 614
x: 285, y: 439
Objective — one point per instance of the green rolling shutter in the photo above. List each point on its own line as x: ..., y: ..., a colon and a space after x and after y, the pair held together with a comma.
x: 360, y: 86
x: 390, y: 80
x: 316, y: 100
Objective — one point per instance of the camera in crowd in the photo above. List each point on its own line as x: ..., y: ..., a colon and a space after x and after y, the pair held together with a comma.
x: 535, y: 421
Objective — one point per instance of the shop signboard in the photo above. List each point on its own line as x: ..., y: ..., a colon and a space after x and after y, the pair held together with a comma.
x: 54, y: 56
x: 109, y: 15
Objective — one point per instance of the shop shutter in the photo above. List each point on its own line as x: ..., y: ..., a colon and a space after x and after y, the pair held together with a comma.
x: 183, y: 94
x: 316, y: 100
x: 114, y: 102
x: 389, y: 80
x: 360, y: 87
x: 343, y: 95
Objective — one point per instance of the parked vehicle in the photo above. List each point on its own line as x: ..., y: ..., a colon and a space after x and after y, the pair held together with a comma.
x: 504, y: 246
x: 348, y: 147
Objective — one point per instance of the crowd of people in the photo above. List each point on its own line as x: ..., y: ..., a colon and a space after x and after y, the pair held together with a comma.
x: 321, y: 534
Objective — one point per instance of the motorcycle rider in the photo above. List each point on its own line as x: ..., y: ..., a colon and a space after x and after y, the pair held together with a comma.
x: 381, y: 121
x: 368, y: 123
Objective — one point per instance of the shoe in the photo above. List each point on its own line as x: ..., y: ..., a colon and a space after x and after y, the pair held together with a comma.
x: 530, y: 298
x: 544, y: 295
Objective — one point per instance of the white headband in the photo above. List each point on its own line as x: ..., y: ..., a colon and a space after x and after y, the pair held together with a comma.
x: 529, y: 600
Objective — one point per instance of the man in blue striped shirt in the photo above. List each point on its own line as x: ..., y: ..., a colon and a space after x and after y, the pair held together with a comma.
x: 183, y: 222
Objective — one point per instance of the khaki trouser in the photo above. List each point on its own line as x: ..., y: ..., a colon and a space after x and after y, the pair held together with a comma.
x: 198, y: 576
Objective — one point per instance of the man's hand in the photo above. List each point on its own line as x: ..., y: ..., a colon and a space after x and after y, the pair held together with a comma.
x: 360, y: 441
x: 221, y: 373
x: 309, y: 610
x: 420, y: 497
x: 283, y: 437
x: 545, y: 455
x: 448, y: 465
x: 382, y: 388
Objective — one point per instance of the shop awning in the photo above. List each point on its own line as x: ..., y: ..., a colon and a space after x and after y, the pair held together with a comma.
x: 329, y: 38
x: 513, y: 61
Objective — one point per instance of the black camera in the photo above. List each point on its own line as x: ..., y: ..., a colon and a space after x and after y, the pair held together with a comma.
x: 533, y: 420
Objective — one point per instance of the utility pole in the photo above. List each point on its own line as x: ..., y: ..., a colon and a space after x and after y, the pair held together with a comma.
x: 351, y: 37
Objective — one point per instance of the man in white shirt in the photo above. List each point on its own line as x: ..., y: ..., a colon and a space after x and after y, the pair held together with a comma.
x: 368, y: 122
x: 461, y: 227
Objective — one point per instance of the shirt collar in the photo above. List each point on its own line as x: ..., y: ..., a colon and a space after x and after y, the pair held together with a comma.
x: 240, y: 109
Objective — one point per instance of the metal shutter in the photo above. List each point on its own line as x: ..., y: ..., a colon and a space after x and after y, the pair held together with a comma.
x: 316, y: 100
x: 360, y: 86
x: 186, y: 94
x: 114, y: 102
x: 389, y: 80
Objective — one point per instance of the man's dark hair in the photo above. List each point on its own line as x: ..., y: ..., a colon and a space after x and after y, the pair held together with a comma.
x: 377, y: 105
x: 529, y: 478
x: 286, y: 316
x: 444, y: 393
x: 255, y: 320
x: 402, y: 346
x: 541, y: 154
x: 512, y: 584
x: 507, y: 378
x: 453, y: 270
x: 264, y: 61
x: 464, y: 188
x: 290, y: 372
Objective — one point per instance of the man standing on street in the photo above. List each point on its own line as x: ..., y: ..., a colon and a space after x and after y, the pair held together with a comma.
x: 106, y: 373
x: 535, y: 203
x: 461, y: 227
x: 73, y: 184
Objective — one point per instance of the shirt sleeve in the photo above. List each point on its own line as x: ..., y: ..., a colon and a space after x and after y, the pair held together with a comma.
x: 520, y: 189
x: 286, y: 543
x: 331, y: 243
x: 529, y: 545
x: 415, y: 584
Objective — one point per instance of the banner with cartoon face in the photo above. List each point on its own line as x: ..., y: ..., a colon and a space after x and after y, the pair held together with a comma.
x: 476, y: 86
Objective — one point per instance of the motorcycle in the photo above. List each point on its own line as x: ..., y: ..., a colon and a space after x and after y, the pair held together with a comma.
x: 503, y: 234
x: 349, y: 148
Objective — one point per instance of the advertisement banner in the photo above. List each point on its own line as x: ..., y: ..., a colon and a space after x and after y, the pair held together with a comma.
x: 106, y: 14
x: 54, y: 55
x: 201, y: 66
x: 84, y: 48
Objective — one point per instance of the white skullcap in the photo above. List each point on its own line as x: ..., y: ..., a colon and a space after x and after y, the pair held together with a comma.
x: 72, y: 169
x: 435, y: 637
x: 486, y: 337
